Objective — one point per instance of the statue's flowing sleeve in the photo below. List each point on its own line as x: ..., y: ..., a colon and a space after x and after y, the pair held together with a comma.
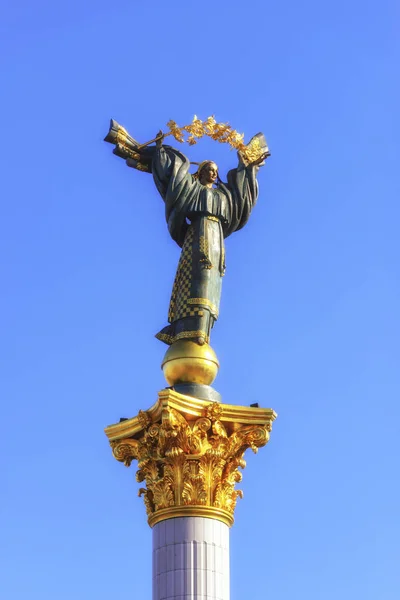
x: 176, y: 186
x: 242, y: 193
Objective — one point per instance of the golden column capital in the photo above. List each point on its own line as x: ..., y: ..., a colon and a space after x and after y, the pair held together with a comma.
x: 189, y: 452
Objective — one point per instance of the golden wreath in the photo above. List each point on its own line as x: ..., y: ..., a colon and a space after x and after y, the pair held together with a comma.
x: 220, y: 132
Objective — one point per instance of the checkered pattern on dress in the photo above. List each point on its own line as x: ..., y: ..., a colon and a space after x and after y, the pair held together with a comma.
x: 178, y: 307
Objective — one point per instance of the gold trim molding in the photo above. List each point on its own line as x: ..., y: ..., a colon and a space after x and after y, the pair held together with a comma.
x: 189, y: 452
x: 210, y: 512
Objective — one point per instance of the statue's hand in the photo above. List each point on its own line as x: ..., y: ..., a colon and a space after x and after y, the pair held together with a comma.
x: 159, y: 137
x: 261, y: 161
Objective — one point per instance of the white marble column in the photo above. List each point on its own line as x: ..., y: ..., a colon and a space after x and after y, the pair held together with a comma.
x: 191, y: 559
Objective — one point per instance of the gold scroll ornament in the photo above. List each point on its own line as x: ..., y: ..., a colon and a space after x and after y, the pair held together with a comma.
x: 189, y: 452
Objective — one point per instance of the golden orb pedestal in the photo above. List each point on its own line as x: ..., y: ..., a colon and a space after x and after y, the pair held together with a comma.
x: 188, y: 362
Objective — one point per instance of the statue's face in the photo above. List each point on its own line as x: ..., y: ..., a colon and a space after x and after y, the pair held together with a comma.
x: 209, y: 174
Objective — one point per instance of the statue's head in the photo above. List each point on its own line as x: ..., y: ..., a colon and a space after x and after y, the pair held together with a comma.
x: 207, y: 172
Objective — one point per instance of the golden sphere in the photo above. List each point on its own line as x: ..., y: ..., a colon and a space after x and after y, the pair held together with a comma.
x: 188, y: 362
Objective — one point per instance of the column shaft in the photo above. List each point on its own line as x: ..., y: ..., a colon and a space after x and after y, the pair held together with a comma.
x: 190, y: 559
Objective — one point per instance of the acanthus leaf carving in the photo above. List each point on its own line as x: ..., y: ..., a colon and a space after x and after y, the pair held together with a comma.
x: 162, y: 494
x: 174, y: 473
x: 211, y: 466
x: 148, y: 500
x: 194, y: 488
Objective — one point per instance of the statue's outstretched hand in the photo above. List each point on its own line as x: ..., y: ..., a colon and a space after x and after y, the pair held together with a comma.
x: 261, y: 160
x: 255, y: 163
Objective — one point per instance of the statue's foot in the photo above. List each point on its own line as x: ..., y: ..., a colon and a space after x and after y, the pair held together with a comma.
x: 201, y: 341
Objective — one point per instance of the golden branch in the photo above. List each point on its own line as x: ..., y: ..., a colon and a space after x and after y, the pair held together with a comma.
x: 220, y: 132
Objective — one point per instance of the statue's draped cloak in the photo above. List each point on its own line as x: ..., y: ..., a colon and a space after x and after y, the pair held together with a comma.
x: 199, y: 218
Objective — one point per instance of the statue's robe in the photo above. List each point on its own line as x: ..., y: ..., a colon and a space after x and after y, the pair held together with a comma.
x: 199, y: 218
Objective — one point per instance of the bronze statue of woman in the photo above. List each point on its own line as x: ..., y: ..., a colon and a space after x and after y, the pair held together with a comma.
x: 201, y: 211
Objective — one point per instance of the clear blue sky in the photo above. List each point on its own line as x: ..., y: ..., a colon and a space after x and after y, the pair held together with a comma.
x: 309, y: 318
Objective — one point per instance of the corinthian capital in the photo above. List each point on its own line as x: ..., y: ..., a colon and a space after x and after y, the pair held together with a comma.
x: 189, y: 453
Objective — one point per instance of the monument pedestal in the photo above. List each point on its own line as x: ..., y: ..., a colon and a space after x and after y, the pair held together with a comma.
x: 189, y: 452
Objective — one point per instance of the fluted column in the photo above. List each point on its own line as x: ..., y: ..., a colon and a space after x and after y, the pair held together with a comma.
x: 191, y: 559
